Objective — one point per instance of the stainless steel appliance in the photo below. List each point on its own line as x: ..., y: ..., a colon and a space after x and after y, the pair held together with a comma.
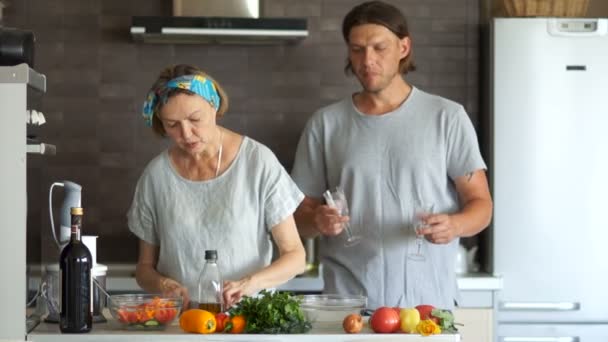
x: 218, y: 21
x: 549, y: 175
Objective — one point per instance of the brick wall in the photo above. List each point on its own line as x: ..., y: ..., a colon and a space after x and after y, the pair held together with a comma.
x: 97, y: 79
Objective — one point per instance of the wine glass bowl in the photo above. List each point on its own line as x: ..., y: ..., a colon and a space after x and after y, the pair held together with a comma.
x: 421, y: 212
x: 337, y: 199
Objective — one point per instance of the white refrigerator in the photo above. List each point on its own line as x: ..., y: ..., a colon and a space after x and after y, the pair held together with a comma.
x: 549, y: 175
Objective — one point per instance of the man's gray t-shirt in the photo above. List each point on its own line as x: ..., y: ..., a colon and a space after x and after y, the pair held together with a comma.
x: 233, y: 213
x: 386, y: 164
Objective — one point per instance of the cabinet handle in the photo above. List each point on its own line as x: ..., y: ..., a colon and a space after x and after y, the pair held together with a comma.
x: 540, y: 306
x: 540, y: 339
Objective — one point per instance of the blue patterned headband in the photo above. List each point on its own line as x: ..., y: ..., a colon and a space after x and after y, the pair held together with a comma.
x: 197, y: 84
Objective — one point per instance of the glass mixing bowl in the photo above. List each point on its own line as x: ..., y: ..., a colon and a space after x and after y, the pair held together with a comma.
x: 144, y: 311
x: 331, y: 308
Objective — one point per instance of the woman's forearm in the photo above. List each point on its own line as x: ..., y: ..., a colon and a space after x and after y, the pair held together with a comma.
x: 287, y: 266
x: 148, y: 278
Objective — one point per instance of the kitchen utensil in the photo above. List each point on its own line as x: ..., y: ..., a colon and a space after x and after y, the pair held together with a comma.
x: 72, y: 198
x: 16, y: 47
x: 460, y: 262
x: 472, y: 265
x: 330, y: 309
x: 144, y: 311
x: 337, y: 199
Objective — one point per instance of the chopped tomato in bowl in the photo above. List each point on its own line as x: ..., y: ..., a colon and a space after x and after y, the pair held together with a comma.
x: 144, y: 311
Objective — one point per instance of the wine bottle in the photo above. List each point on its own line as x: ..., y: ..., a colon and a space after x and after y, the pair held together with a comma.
x: 75, y: 265
x: 210, y: 285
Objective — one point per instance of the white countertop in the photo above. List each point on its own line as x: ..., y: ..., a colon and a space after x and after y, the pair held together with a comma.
x: 104, y: 332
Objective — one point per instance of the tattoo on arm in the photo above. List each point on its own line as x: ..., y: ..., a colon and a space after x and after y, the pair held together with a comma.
x: 469, y: 176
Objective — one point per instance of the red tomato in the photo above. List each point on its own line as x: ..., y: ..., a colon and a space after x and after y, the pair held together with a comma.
x: 165, y: 315
x: 220, y: 321
x: 127, y: 316
x: 384, y: 320
x: 426, y: 313
x: 123, y: 316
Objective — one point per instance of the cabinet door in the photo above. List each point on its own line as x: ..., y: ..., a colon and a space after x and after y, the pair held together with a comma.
x: 477, y: 326
x: 552, y: 332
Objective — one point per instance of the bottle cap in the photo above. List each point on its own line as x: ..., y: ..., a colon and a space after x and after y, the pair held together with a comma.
x: 211, y: 254
x: 76, y: 211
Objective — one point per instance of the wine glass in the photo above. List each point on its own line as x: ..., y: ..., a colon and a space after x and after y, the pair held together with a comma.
x: 336, y: 199
x: 421, y: 212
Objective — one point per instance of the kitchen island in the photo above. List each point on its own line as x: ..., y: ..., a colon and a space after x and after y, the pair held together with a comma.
x: 105, y: 332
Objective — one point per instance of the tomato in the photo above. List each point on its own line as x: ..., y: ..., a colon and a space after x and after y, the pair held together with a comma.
x: 165, y: 315
x: 221, y: 319
x: 127, y: 316
x: 384, y: 320
x: 426, y: 313
x: 123, y: 316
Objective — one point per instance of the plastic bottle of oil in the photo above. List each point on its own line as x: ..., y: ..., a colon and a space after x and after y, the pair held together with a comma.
x: 210, y: 285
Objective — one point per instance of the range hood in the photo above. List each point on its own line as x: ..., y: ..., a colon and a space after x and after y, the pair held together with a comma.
x: 223, y: 30
x: 217, y: 21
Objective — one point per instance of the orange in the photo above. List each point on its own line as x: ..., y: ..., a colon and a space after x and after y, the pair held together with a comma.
x: 197, y: 321
x: 237, y: 324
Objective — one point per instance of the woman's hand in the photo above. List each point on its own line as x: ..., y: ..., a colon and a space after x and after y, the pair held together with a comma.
x: 235, y: 290
x: 171, y: 288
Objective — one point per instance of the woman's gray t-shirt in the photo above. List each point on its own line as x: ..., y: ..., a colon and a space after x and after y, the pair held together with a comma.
x: 385, y: 164
x: 233, y: 213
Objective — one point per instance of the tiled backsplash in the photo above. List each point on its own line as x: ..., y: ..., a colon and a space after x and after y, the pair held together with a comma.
x: 97, y: 78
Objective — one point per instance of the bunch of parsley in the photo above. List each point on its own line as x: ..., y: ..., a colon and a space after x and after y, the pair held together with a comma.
x: 446, y: 320
x: 272, y: 313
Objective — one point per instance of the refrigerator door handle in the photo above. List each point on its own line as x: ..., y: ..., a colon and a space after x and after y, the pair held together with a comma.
x: 539, y: 339
x: 540, y: 306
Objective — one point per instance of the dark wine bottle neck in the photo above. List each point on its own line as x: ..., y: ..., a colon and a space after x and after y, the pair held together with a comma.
x: 76, y: 226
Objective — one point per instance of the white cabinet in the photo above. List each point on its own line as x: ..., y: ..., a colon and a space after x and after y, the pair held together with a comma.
x: 15, y: 85
x: 476, y: 307
x: 478, y: 324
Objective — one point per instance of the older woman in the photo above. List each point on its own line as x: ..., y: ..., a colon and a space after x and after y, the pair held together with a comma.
x: 211, y: 189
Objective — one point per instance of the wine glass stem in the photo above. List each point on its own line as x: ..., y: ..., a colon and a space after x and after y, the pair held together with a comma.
x: 349, y: 235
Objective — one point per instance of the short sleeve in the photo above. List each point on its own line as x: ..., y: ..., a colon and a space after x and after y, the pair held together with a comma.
x: 309, y: 169
x: 463, y: 155
x: 140, y: 217
x: 282, y: 196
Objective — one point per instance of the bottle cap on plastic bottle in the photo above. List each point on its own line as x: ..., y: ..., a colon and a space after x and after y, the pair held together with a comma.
x: 211, y: 254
